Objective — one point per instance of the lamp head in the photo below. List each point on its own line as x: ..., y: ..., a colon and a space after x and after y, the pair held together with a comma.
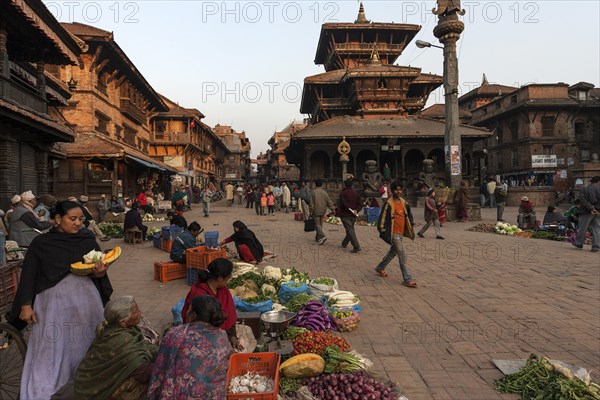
x: 422, y: 44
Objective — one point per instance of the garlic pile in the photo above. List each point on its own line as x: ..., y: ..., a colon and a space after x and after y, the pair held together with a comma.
x: 251, y: 383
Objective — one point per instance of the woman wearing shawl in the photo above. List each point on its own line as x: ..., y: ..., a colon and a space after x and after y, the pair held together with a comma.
x: 24, y: 220
x: 462, y: 212
x: 179, y: 200
x: 192, y: 359
x: 57, y: 303
x: 118, y: 364
x: 213, y: 282
x: 249, y: 248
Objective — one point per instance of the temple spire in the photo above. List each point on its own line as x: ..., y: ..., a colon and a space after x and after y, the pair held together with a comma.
x: 484, y: 81
x: 362, y: 18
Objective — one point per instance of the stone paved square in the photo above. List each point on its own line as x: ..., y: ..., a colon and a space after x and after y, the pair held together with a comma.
x: 480, y: 297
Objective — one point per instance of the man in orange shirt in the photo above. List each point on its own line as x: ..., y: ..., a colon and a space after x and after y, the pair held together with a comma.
x: 395, y: 222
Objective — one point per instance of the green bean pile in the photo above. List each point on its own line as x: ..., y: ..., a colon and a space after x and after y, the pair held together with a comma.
x: 538, y: 380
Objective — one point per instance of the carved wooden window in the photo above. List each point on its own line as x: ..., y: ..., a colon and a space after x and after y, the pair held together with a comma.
x: 514, y: 130
x: 499, y: 135
x: 514, y: 158
x: 102, y: 122
x: 548, y: 126
x: 547, y: 149
x: 579, y: 131
x: 102, y: 85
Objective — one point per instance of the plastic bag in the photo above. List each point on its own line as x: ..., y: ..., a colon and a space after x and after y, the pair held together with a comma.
x: 318, y: 290
x: 261, y: 307
x: 176, y: 311
x: 287, y: 292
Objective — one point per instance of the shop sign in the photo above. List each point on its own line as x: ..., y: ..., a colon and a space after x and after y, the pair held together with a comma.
x: 230, y: 176
x: 173, y: 161
x: 545, y: 161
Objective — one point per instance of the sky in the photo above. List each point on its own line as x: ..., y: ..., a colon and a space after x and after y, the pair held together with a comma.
x: 242, y: 63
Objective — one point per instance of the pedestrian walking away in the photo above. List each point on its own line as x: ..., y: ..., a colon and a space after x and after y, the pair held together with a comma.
x: 349, y: 204
x: 319, y: 203
x: 396, y: 222
x: 431, y: 216
x: 500, y: 194
x: 588, y: 215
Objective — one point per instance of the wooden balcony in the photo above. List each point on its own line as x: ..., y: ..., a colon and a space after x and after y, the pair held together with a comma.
x: 171, y: 138
x: 132, y: 111
x: 22, y: 95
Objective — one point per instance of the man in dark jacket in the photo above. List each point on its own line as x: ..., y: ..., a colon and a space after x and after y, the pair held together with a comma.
x: 589, y: 217
x: 350, y: 204
x: 133, y: 219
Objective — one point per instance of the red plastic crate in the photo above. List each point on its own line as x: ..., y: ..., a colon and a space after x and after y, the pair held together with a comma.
x: 266, y: 364
x: 9, y: 280
x: 200, y: 257
x: 166, y: 244
x: 168, y: 271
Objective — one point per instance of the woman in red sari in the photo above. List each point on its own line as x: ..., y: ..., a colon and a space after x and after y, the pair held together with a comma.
x: 213, y: 282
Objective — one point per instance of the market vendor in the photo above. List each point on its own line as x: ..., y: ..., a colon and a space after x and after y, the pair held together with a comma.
x: 176, y: 218
x: 133, y: 220
x: 193, y: 358
x: 213, y: 282
x: 248, y: 246
x: 119, y: 359
x: 179, y: 200
x: 553, y: 217
x: 526, y: 213
x: 186, y: 240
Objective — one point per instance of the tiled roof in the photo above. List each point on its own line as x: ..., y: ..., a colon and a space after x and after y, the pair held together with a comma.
x: 80, y: 29
x: 31, y: 118
x: 97, y: 145
x: 487, y: 90
x: 409, y: 127
x: 281, y: 146
x: 438, y: 110
x: 326, y: 77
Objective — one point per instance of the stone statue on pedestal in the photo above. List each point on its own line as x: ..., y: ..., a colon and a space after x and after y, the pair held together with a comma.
x: 427, y: 176
x: 371, y: 178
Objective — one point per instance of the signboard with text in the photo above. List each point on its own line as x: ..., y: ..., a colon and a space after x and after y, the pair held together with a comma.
x: 545, y: 161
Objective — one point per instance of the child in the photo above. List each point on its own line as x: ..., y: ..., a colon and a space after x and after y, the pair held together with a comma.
x: 271, y: 203
x: 263, y: 204
x: 441, y: 207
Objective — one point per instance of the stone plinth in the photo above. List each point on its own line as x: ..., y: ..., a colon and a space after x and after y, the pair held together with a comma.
x: 541, y: 196
x: 473, y: 209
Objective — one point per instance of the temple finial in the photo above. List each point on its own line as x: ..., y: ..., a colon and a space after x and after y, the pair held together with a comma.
x: 362, y: 18
x: 484, y: 81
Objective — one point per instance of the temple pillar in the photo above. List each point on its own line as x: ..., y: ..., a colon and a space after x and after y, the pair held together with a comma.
x: 41, y: 78
x: 307, y: 166
x: 331, y: 166
x: 4, y: 68
x: 41, y: 170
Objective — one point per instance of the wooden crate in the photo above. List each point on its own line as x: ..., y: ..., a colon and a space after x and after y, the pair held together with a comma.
x: 166, y: 271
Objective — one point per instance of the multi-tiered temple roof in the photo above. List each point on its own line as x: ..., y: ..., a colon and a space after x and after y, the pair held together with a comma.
x: 360, y: 78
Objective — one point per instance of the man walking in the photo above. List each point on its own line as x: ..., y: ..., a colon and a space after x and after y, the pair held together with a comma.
x: 305, y: 197
x: 286, y: 197
x: 431, y: 215
x: 500, y: 194
x: 350, y: 204
x: 277, y: 192
x: 319, y: 203
x: 239, y: 192
x: 588, y: 216
x: 395, y: 222
x: 206, y: 197
x: 229, y: 191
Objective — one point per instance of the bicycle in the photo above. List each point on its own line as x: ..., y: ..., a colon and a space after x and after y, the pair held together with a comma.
x: 12, y: 342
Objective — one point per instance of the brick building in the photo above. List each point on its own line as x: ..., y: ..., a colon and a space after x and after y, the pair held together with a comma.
x: 236, y: 167
x: 540, y: 132
x: 277, y: 168
x: 179, y: 138
x: 109, y: 110
x: 31, y: 99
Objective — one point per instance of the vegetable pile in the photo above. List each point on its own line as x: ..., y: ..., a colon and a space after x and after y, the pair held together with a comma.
x: 356, y: 386
x: 314, y: 316
x: 507, y: 229
x: 340, y: 361
x: 251, y: 383
x: 111, y: 229
x: 542, y: 380
x: 317, y: 343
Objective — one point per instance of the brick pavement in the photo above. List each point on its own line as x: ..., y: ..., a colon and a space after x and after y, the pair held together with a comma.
x: 480, y: 297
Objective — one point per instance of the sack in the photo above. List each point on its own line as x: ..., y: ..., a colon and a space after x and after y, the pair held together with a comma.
x: 176, y: 311
x: 287, y: 292
x: 310, y: 225
x: 261, y: 307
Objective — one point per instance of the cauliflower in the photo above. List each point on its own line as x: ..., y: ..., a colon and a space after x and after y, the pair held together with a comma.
x: 93, y: 257
x: 268, y: 289
x: 272, y: 273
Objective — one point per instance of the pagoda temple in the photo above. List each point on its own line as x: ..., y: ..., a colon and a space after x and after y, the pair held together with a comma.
x: 372, y: 103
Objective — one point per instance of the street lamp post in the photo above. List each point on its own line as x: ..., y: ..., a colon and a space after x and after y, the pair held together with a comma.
x: 448, y: 32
